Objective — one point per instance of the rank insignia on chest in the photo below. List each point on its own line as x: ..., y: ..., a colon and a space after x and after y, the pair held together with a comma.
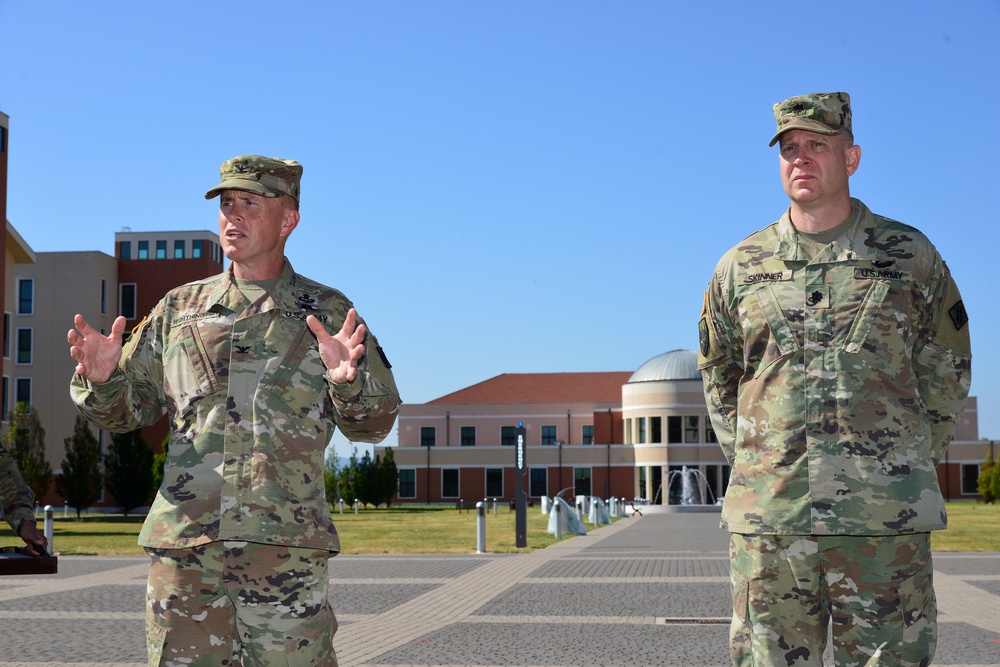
x: 307, y: 302
x: 818, y: 297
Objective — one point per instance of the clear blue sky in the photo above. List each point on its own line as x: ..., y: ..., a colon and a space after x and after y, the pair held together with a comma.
x: 508, y: 186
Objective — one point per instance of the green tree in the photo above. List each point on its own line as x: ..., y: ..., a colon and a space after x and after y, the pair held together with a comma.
x: 331, y: 471
x: 80, y: 481
x: 346, y: 483
x: 989, y: 479
x: 388, y: 476
x: 128, y: 469
x: 26, y: 443
x: 365, y: 485
x: 159, y: 462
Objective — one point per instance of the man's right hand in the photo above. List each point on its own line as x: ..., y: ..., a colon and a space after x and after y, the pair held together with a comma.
x: 96, y: 355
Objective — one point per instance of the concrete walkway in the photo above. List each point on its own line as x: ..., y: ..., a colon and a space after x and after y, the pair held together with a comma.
x: 649, y: 590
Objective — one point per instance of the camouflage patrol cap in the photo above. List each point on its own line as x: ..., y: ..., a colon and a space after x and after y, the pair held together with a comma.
x: 267, y: 176
x: 824, y: 113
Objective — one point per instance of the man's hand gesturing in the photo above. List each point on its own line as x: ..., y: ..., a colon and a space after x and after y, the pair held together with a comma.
x: 96, y: 354
x: 340, y: 352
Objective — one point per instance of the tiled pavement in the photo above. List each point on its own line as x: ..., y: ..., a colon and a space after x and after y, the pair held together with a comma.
x: 649, y: 590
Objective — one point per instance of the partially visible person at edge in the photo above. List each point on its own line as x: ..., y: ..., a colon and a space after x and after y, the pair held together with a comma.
x: 835, y: 354
x: 18, y: 502
x: 254, y: 368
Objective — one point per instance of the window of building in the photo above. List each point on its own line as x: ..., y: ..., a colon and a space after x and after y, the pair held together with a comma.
x: 468, y: 436
x: 196, y: 248
x: 628, y: 431
x: 161, y: 250
x: 5, y: 405
x: 588, y: 434
x: 22, y: 390
x: 407, y: 483
x: 143, y: 249
x: 178, y: 249
x: 24, y: 340
x: 508, y: 436
x: 692, y: 429
x: 640, y: 428
x: 538, y: 482
x: 25, y: 296
x: 581, y: 481
x: 125, y: 251
x: 675, y: 429
x: 127, y: 300
x: 449, y: 483
x: 709, y: 431
x: 549, y: 436
x: 6, y: 335
x: 494, y: 482
x: 970, y: 479
x: 104, y: 296
x: 3, y: 139
x: 656, y: 429
x: 428, y: 436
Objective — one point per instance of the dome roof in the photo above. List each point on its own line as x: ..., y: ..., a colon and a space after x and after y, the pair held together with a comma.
x: 673, y: 365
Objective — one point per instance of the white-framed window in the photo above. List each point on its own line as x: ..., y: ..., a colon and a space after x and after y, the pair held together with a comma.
x: 640, y: 427
x: 25, y: 341
x: 468, y: 436
x: 508, y: 436
x: 428, y: 436
x: 22, y: 390
x: 549, y: 435
x: 451, y: 486
x: 538, y: 482
x: 494, y: 482
x: 692, y: 428
x: 587, y: 435
x: 104, y: 296
x: 5, y: 406
x: 970, y: 479
x: 581, y: 481
x: 25, y: 296
x: 6, y: 335
x: 656, y: 429
x: 127, y: 296
x: 179, y: 248
x: 143, y: 250
x: 407, y: 483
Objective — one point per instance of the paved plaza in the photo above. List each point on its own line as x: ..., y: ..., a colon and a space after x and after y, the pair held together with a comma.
x: 650, y: 590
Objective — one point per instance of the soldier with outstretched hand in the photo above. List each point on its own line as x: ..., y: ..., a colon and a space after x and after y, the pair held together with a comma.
x: 254, y: 368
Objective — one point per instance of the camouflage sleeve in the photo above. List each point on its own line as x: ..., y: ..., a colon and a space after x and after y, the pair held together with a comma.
x: 720, y: 361
x: 133, y: 396
x: 16, y: 499
x: 366, y: 408
x: 943, y: 358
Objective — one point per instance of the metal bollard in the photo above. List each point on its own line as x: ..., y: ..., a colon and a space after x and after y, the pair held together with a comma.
x: 557, y: 508
x: 480, y: 527
x: 341, y: 505
x: 494, y: 507
x: 66, y: 510
x: 357, y: 506
x: 48, y: 528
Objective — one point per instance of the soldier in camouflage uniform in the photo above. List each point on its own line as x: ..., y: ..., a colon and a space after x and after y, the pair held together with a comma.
x: 836, y: 361
x: 253, y: 382
x: 17, y: 504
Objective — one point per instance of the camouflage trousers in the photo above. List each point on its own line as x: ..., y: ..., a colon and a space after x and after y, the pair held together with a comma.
x: 877, y: 591
x: 239, y: 603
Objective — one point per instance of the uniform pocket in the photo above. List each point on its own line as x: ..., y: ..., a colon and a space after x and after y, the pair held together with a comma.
x: 780, y: 340
x: 310, y: 644
x: 918, y: 616
x: 870, y: 307
x: 156, y: 637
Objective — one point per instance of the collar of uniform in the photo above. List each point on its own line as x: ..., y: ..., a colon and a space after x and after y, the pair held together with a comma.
x: 854, y: 243
x: 283, y: 292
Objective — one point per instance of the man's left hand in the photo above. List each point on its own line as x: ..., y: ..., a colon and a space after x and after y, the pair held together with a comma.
x: 340, y: 352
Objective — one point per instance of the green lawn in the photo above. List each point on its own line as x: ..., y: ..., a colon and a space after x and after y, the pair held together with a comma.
x: 440, y: 530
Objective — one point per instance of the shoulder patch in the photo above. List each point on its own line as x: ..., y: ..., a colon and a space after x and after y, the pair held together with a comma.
x: 958, y: 315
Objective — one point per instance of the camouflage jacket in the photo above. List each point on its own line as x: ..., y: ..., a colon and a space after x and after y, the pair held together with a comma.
x: 16, y: 500
x: 834, y: 384
x: 251, y: 410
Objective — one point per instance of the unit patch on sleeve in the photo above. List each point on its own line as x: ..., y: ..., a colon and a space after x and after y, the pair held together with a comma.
x: 958, y: 315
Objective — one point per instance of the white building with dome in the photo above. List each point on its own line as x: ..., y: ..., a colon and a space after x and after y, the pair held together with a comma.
x: 609, y: 434
x: 612, y: 434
